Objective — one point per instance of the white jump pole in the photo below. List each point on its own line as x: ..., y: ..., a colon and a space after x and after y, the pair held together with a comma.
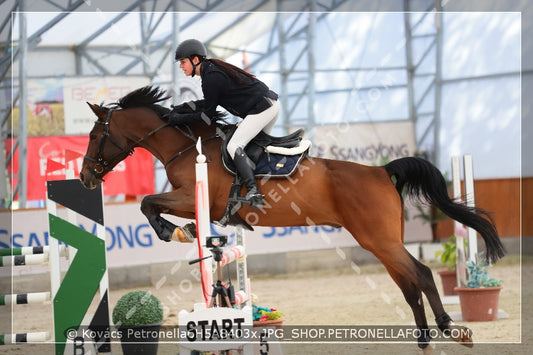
x: 202, y: 316
x: 470, y: 202
x: 203, y: 223
x: 242, y: 268
x: 459, y: 240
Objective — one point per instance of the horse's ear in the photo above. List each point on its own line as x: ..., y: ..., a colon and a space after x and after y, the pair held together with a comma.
x: 98, y: 111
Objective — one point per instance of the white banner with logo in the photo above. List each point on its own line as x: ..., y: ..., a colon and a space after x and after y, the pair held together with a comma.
x: 78, y: 91
x: 131, y: 240
x: 365, y: 143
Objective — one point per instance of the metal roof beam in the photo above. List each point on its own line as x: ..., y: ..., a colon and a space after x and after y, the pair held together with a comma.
x: 7, y: 21
x: 94, y: 62
x: 298, y: 33
x: 109, y: 24
x: 6, y: 60
x: 55, y: 20
x: 239, y: 20
x: 147, y: 33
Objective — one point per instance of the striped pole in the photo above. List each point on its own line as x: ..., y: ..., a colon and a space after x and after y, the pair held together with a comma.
x: 19, y: 260
x: 240, y: 298
x: 19, y: 338
x: 31, y: 251
x: 24, y: 298
x: 231, y: 255
x: 23, y: 251
x: 242, y: 266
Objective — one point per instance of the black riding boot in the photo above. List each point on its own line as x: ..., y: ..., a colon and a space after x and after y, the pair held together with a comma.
x: 245, y: 170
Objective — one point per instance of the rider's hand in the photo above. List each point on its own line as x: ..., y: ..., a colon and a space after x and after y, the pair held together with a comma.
x: 174, y: 118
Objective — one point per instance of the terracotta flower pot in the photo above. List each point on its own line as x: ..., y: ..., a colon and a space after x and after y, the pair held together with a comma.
x: 449, y: 281
x: 479, y: 303
x: 269, y: 323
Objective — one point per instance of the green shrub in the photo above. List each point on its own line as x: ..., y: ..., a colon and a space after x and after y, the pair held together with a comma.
x: 137, y: 308
x: 448, y: 256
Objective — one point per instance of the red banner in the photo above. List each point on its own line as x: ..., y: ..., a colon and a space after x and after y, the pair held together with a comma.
x: 46, y: 161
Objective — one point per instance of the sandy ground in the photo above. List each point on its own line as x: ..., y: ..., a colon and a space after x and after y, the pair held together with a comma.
x: 366, y: 296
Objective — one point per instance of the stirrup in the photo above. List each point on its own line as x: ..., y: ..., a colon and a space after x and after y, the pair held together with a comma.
x: 254, y: 200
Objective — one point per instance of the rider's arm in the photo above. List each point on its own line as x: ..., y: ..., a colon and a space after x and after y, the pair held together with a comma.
x: 212, y: 86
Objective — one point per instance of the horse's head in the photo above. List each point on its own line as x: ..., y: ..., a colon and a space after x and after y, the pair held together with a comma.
x: 105, y: 150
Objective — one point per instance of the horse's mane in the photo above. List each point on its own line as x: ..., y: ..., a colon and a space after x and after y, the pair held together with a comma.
x: 149, y: 96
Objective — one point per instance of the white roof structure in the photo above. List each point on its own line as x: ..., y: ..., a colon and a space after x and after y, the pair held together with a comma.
x: 455, y: 75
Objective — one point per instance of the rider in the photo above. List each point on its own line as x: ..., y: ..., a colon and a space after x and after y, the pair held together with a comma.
x: 240, y: 93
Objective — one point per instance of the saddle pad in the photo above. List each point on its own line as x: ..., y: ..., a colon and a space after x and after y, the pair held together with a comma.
x: 272, y: 165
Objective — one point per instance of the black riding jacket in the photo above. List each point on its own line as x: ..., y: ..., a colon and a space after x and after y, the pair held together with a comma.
x: 221, y: 89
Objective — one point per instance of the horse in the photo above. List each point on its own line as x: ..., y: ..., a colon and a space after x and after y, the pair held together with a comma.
x: 368, y: 201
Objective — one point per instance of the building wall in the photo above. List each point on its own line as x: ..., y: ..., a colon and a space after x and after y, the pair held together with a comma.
x: 504, y: 200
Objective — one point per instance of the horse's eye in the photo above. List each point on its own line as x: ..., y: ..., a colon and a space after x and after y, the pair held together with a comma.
x: 92, y: 137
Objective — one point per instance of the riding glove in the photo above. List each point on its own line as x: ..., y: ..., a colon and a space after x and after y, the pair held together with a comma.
x: 182, y: 115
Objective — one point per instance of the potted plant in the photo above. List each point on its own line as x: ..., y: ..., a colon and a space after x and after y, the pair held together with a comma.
x: 479, y: 299
x: 448, y: 256
x: 266, y: 316
x: 138, y: 315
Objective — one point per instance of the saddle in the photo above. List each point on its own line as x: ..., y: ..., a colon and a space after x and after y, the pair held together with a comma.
x: 274, y: 157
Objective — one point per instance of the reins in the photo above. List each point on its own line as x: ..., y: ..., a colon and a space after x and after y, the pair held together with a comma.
x: 191, y: 135
x: 104, y: 165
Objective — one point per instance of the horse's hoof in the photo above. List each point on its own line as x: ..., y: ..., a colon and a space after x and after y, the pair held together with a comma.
x: 462, y: 335
x: 182, y: 235
x: 466, y: 341
x: 428, y: 350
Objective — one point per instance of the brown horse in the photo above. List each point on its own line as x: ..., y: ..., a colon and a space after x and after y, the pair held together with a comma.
x: 365, y: 200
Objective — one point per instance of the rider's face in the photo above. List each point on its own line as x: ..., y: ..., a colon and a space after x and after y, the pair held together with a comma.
x: 186, y: 65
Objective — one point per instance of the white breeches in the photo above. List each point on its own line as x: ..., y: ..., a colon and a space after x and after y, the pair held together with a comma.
x: 251, y: 125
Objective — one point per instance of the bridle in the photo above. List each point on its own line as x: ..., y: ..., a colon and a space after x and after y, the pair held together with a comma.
x: 103, y: 167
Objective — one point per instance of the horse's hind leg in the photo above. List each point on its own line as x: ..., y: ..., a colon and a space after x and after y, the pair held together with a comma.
x: 415, y: 278
x: 395, y: 264
x: 443, y: 320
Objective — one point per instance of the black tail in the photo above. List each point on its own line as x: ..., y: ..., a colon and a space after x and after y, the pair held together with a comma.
x: 424, y: 181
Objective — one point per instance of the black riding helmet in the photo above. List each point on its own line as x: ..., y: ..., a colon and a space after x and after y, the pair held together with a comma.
x: 190, y: 48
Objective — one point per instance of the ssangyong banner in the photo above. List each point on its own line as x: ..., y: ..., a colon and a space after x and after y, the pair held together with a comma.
x: 365, y: 143
x: 77, y: 91
x: 46, y: 160
x: 130, y: 240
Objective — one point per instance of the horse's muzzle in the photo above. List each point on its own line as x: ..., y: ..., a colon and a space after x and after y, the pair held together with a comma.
x: 88, y: 181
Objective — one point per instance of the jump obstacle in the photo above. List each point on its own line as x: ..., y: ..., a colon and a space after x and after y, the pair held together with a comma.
x: 22, y: 257
x: 86, y: 274
x: 232, y: 319
x: 203, y: 224
x: 25, y: 256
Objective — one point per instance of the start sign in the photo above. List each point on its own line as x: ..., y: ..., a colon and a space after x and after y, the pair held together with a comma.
x: 210, y: 329
x: 219, y: 328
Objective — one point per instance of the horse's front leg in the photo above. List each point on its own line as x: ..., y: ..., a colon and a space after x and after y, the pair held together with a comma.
x: 172, y: 203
